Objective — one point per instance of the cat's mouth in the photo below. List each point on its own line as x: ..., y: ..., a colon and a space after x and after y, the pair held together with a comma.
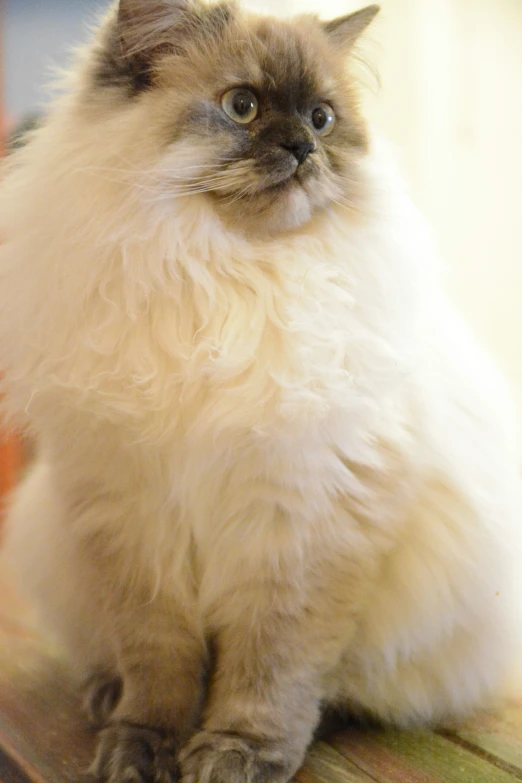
x: 277, y: 182
x: 293, y: 173
x: 264, y: 186
x: 263, y: 179
x: 277, y: 195
x: 277, y: 187
x: 271, y: 198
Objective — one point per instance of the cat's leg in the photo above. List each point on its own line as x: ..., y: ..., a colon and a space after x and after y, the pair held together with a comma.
x: 77, y: 547
x: 160, y: 652
x: 49, y: 572
x: 281, y: 620
x: 161, y: 659
x: 39, y: 550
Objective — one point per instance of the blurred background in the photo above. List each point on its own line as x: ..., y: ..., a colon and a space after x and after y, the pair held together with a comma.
x: 450, y: 100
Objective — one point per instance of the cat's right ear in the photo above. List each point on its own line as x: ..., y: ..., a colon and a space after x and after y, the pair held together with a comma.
x: 146, y: 25
x: 140, y: 32
x: 144, y: 30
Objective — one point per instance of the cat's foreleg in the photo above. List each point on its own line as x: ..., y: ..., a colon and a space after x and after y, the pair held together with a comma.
x: 161, y: 657
x: 74, y: 540
x: 161, y: 661
x: 276, y: 636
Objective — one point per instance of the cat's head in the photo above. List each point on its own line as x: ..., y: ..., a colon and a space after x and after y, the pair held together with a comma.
x: 258, y: 113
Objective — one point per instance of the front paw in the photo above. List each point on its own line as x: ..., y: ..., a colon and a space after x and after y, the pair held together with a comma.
x: 213, y: 757
x: 133, y: 754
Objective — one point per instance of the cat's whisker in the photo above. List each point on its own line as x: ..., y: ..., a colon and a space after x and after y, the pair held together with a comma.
x: 121, y: 181
x: 349, y: 183
x: 212, y: 178
x: 220, y: 171
x: 344, y: 203
x: 166, y: 193
x: 223, y: 182
x: 226, y: 178
x: 128, y: 172
x: 248, y: 190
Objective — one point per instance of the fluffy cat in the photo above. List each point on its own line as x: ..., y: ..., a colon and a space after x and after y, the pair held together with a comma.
x: 275, y: 474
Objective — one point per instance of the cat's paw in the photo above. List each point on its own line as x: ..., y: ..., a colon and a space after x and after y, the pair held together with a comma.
x: 229, y: 758
x: 101, y: 694
x: 132, y: 754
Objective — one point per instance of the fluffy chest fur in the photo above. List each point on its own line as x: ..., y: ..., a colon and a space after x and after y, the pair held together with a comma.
x: 181, y: 325
x: 244, y: 374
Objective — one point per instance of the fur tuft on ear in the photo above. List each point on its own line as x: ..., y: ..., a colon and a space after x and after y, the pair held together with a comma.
x: 345, y: 30
x: 146, y: 25
x: 144, y: 30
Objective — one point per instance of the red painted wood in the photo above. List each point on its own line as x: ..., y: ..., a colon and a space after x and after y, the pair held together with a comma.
x: 10, y: 448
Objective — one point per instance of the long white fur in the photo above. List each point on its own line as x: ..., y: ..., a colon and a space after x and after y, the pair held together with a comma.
x: 215, y: 383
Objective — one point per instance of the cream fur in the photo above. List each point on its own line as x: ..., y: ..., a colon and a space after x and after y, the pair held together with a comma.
x: 245, y: 407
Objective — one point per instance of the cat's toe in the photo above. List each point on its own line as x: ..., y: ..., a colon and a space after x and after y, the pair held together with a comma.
x: 102, y: 693
x: 133, y: 754
x: 230, y: 758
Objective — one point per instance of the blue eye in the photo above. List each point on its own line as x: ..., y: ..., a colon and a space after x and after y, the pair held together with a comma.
x: 323, y: 119
x: 240, y: 104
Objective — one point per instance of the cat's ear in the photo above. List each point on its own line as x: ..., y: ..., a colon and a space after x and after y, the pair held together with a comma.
x: 345, y: 30
x: 141, y: 32
x: 144, y: 30
x: 146, y: 26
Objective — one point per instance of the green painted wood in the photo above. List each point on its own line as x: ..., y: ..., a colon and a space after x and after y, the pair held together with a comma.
x: 498, y: 735
x: 305, y: 776
x: 390, y: 756
x: 366, y: 751
x: 328, y: 766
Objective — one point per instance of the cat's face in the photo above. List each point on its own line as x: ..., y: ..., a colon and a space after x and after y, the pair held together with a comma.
x: 257, y: 113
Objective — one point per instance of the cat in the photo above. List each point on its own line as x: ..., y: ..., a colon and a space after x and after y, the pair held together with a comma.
x: 21, y: 132
x: 275, y: 475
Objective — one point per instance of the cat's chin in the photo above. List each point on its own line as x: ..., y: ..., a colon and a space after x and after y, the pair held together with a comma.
x: 273, y: 210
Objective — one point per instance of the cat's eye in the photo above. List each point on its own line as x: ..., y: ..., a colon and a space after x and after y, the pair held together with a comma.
x: 240, y: 104
x: 323, y: 119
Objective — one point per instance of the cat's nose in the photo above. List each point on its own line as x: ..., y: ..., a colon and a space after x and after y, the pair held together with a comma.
x: 300, y: 149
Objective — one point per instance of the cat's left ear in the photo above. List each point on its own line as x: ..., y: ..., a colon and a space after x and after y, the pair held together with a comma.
x: 345, y: 30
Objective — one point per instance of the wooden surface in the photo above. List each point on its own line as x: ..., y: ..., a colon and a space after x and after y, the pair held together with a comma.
x: 44, y: 738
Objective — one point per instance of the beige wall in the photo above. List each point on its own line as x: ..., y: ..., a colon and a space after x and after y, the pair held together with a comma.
x: 451, y: 102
